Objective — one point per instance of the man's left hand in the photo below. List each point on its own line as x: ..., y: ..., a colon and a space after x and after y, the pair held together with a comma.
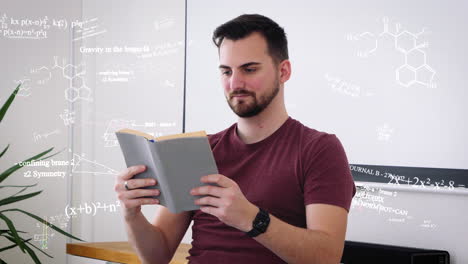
x: 226, y: 202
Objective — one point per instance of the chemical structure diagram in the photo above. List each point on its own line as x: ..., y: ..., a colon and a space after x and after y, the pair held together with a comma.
x: 415, y: 69
x: 74, y: 74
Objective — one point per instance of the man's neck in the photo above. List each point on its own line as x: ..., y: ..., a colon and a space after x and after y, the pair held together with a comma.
x: 259, y: 127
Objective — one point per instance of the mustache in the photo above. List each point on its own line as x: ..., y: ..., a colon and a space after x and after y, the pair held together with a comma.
x: 241, y: 92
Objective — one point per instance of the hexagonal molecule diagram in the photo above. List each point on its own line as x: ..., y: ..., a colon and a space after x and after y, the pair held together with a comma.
x: 77, y: 88
x: 414, y: 69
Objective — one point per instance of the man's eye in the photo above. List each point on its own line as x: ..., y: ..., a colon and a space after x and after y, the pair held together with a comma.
x: 226, y: 72
x: 250, y: 69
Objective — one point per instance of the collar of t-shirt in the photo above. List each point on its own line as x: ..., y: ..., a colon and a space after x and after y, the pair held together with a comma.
x: 237, y: 141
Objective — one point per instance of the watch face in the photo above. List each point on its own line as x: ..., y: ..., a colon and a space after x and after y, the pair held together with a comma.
x: 261, y: 221
x: 260, y: 224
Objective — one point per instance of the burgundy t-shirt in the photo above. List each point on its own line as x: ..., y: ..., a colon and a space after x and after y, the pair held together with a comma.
x: 293, y: 167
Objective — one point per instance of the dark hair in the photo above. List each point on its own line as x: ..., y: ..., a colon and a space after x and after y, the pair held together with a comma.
x: 244, y: 25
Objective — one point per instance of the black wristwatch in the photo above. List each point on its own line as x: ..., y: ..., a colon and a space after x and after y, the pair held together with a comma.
x: 260, y: 223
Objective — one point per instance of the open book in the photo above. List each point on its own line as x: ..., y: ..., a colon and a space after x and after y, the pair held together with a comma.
x: 177, y: 162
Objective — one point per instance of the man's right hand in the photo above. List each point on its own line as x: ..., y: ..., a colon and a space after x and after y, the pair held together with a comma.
x: 131, y: 198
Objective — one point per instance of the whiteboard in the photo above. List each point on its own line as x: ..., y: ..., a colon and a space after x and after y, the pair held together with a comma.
x: 386, y: 77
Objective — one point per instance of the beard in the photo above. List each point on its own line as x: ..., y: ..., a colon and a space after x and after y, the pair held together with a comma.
x: 245, y: 109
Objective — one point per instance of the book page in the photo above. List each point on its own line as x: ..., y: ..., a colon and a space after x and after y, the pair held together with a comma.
x: 183, y: 135
x: 167, y: 137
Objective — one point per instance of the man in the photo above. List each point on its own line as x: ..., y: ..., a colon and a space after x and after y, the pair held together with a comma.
x: 284, y: 190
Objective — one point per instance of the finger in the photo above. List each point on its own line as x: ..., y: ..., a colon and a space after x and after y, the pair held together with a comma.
x: 211, y: 210
x: 133, y: 194
x: 131, y: 171
x: 209, y: 200
x: 219, y: 179
x: 208, y: 190
x: 139, y: 183
x: 128, y: 204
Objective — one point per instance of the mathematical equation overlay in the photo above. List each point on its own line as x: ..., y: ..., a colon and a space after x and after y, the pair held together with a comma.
x: 420, y: 177
x: 90, y: 208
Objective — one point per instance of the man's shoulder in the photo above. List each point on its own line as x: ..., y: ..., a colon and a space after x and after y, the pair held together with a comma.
x: 310, y: 135
x: 214, y: 138
x: 312, y: 140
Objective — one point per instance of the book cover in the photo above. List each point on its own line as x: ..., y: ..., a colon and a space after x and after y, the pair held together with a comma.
x: 177, y: 162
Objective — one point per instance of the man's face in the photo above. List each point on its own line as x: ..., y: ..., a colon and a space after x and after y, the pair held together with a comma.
x: 248, y: 75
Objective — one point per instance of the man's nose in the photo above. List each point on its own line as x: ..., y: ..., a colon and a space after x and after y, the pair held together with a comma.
x: 237, y: 81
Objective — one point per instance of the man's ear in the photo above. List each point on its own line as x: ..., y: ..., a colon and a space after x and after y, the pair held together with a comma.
x: 284, y: 71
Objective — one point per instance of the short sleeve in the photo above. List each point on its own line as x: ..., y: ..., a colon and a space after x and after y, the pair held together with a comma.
x: 327, y: 176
